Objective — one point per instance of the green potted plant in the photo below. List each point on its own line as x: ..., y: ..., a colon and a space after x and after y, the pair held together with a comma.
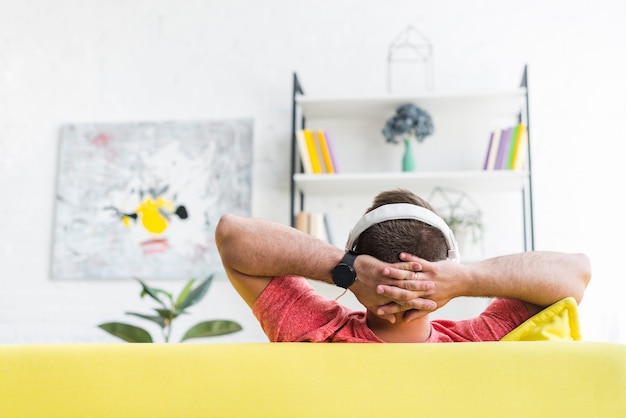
x: 466, y: 224
x: 409, y: 122
x: 169, y: 308
x: 463, y: 217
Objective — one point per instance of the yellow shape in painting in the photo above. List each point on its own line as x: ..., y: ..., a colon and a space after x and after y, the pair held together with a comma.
x: 151, y: 217
x: 126, y: 221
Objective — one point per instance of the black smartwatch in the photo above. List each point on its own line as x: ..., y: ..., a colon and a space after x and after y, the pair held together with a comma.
x: 344, y: 274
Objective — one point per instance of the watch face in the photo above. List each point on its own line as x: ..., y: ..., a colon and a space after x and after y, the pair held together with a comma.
x: 344, y: 275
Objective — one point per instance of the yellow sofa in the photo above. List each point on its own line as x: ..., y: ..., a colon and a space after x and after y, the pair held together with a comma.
x: 500, y: 379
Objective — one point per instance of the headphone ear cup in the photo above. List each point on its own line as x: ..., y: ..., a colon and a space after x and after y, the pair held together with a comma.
x: 404, y: 211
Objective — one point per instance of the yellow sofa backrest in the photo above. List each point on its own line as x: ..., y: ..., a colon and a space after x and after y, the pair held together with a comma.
x: 513, y: 379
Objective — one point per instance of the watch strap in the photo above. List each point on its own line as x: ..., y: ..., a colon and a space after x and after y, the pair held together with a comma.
x: 344, y: 274
x: 349, y: 258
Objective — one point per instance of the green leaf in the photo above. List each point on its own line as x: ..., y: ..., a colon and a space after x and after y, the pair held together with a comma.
x: 211, y: 329
x: 195, y: 295
x: 156, y: 319
x: 167, y: 313
x: 127, y: 332
x: 153, y: 293
x: 183, y: 295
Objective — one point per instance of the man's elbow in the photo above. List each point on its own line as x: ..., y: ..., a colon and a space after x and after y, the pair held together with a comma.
x: 224, y: 233
x: 584, y: 275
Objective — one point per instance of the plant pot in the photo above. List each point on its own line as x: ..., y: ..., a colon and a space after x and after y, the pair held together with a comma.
x: 408, y: 159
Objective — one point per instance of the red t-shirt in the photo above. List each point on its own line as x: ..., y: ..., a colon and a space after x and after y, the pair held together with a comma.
x: 289, y: 310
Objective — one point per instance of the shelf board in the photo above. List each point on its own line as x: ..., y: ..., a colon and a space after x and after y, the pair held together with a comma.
x: 373, y: 183
x: 499, y: 102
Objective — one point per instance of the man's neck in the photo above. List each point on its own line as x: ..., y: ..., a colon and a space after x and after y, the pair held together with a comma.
x: 416, y: 331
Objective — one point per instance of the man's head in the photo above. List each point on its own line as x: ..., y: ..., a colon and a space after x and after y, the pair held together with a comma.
x: 387, y: 239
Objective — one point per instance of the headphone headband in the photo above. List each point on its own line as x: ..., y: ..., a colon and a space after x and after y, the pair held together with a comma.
x: 404, y: 211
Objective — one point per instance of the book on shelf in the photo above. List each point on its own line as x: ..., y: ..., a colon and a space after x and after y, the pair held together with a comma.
x: 316, y: 152
x: 489, y: 145
x: 492, y: 149
x: 302, y: 222
x: 314, y: 155
x: 327, y: 151
x: 303, y: 151
x: 503, y: 149
x: 515, y: 131
x: 314, y: 223
x: 521, y: 153
x: 507, y: 148
x: 328, y: 225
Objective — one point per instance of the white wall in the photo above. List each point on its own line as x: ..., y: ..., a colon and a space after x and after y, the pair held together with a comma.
x: 71, y: 61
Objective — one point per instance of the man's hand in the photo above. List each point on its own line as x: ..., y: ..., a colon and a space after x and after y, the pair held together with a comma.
x: 383, y: 288
x: 536, y: 278
x: 442, y: 274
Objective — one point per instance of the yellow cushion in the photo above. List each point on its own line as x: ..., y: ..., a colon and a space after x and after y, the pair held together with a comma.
x: 556, y: 322
x: 517, y: 379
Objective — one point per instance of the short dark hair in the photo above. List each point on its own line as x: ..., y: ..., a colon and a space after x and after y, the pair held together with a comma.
x: 386, y: 240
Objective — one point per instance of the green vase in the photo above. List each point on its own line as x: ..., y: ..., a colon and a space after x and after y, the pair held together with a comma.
x: 408, y: 160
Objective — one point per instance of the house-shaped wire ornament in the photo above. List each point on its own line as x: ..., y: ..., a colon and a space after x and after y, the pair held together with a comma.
x: 410, y: 62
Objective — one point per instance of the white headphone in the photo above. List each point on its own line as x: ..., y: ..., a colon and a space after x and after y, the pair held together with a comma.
x: 405, y: 211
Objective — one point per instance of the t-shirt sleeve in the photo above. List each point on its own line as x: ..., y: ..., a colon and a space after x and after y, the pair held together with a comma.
x: 500, y: 318
x: 289, y: 309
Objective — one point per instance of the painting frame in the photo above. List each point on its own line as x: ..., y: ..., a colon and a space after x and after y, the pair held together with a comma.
x: 142, y: 199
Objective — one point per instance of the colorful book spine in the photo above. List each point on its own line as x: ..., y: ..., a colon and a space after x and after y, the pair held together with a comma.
x: 316, y: 225
x: 313, y: 223
x: 328, y: 225
x: 316, y: 163
x: 519, y: 161
x: 302, y: 222
x: 503, y: 149
x: 507, y: 148
x: 492, y: 149
x: 516, y: 131
x: 303, y: 151
x: 331, y: 151
x: 486, y: 164
x: 326, y: 156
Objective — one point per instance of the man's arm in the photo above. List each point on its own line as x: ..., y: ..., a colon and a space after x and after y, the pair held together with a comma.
x: 253, y: 251
x: 537, y: 278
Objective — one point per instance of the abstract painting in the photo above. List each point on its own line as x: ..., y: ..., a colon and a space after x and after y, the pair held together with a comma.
x: 141, y: 200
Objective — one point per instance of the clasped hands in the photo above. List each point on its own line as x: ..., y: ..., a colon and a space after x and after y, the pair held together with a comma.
x: 413, y: 286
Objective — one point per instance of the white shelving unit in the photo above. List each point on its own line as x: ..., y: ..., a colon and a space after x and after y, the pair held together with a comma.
x: 489, y: 104
x: 372, y: 183
x: 451, y: 158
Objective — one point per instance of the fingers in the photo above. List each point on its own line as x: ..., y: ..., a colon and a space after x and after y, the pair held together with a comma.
x: 410, y: 257
x: 388, y: 310
x: 402, y: 271
x: 391, y: 318
x: 420, y: 304
x: 413, y: 314
x: 406, y: 290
